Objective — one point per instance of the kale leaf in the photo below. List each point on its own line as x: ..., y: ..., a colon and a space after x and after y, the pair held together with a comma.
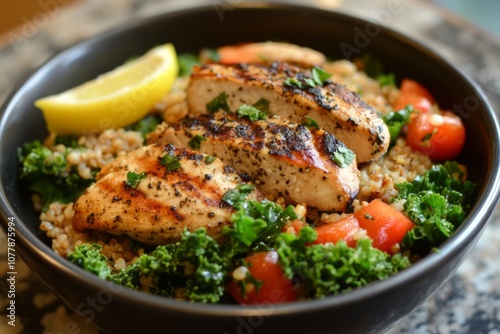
x: 193, y: 264
x: 334, y: 268
x: 89, y: 257
x: 49, y: 174
x: 396, y: 120
x: 437, y: 203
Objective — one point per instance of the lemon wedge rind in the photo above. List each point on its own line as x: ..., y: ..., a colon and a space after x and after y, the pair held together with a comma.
x: 115, y: 99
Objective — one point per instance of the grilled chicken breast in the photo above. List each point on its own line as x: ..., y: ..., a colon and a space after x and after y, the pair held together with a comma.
x: 282, y: 158
x: 336, y: 109
x: 178, y: 190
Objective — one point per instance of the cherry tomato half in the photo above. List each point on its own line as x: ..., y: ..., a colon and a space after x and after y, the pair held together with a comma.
x: 414, y: 94
x: 266, y: 284
x: 440, y: 136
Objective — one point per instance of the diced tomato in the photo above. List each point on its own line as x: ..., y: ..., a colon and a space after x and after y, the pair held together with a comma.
x: 342, y: 229
x: 441, y: 137
x: 414, y: 94
x: 385, y: 225
x: 241, y: 53
x: 268, y: 284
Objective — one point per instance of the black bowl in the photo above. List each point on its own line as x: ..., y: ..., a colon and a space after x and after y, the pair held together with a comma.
x: 373, y: 308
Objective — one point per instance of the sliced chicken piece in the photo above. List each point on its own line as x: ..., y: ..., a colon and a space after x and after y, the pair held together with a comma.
x: 336, y: 109
x: 164, y: 203
x: 282, y: 158
x: 266, y: 53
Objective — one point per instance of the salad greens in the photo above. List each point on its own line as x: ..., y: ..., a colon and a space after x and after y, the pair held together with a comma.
x: 50, y: 175
x: 437, y: 203
x: 396, y: 120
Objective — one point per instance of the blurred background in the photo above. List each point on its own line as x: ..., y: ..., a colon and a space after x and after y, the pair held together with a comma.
x: 484, y: 13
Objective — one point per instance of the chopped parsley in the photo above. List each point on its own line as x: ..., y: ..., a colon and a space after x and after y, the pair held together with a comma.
x: 251, y: 112
x: 262, y: 105
x: 343, y: 156
x: 209, y: 159
x: 219, y: 102
x: 396, y: 120
x: 237, y: 195
x: 319, y: 78
x: 310, y: 122
x: 133, y: 179
x: 170, y: 161
x: 195, y: 142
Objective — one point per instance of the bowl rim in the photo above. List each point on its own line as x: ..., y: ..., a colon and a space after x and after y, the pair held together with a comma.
x: 475, y: 221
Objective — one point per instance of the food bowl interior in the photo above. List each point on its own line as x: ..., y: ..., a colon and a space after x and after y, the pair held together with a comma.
x: 190, y: 30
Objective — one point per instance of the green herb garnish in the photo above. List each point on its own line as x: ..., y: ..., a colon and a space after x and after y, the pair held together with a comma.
x: 310, y: 122
x: 343, y: 156
x: 320, y: 76
x: 252, y: 113
x: 237, y: 195
x: 219, y: 102
x: 170, y: 161
x: 396, y: 120
x: 209, y: 159
x: 133, y: 179
x: 262, y: 105
x: 195, y: 142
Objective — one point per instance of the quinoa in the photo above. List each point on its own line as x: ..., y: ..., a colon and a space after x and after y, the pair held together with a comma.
x: 378, y: 179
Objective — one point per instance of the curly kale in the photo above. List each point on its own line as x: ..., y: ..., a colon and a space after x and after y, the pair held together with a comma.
x: 334, y: 268
x: 89, y: 257
x: 437, y: 203
x: 256, y: 226
x: 193, y: 264
x: 49, y: 174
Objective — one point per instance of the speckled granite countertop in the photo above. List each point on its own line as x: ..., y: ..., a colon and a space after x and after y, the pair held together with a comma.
x: 467, y: 303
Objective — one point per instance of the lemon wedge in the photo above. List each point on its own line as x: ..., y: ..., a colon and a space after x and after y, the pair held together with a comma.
x: 115, y: 99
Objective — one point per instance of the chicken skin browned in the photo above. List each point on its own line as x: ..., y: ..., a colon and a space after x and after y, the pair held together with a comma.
x: 336, y: 109
x: 154, y: 193
x: 282, y: 158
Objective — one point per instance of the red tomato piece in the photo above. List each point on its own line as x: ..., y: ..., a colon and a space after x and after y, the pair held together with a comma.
x: 441, y: 137
x: 385, y: 225
x: 241, y: 53
x: 274, y: 287
x: 414, y: 94
x: 342, y: 229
